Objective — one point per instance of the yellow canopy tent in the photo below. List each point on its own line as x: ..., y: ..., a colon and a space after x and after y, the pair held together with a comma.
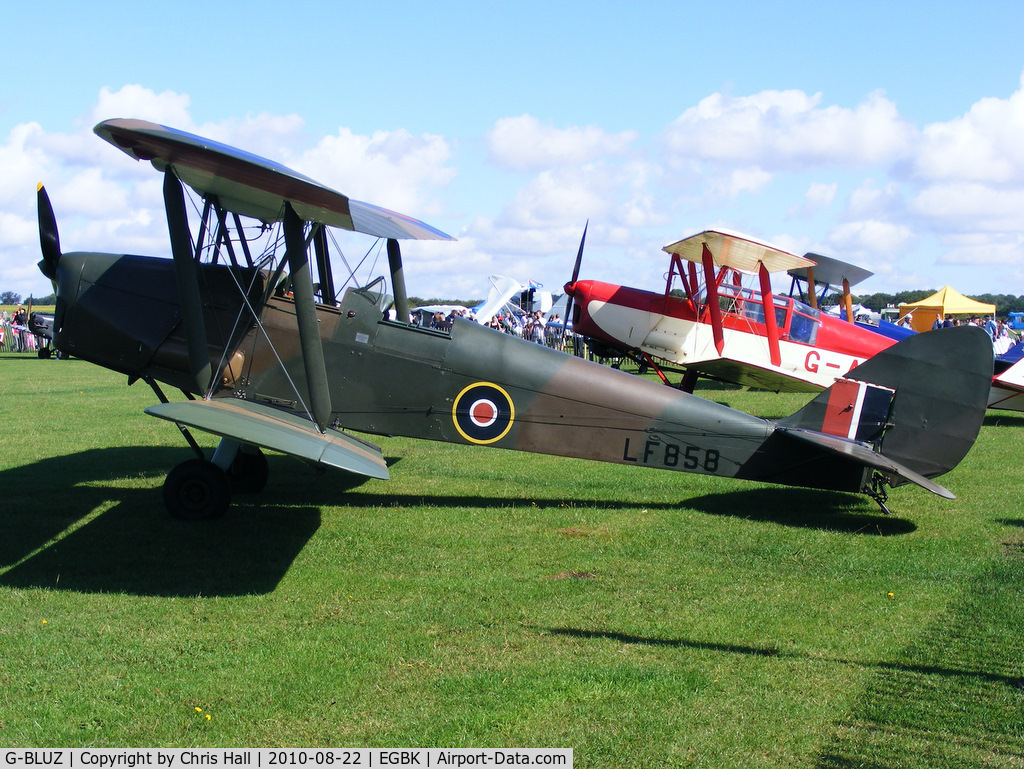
x: 945, y: 301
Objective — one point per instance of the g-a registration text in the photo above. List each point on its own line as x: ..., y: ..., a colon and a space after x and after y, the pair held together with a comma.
x: 35, y: 758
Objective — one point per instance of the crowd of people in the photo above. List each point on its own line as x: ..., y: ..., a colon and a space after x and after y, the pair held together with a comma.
x: 1003, y: 337
x: 14, y: 333
x: 533, y: 326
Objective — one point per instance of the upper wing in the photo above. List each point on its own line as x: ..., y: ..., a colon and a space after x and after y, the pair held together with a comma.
x: 740, y: 252
x: 254, y: 186
x: 830, y: 270
x: 259, y: 425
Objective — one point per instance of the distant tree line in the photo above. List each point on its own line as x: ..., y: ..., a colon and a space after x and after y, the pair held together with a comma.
x: 11, y: 297
x: 415, y: 301
x: 1005, y: 303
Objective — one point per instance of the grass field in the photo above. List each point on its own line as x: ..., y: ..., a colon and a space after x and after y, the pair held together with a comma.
x: 492, y: 599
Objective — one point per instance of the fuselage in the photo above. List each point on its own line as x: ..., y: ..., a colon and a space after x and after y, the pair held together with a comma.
x: 469, y: 385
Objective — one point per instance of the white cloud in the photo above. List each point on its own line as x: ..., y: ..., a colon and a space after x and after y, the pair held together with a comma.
x: 869, y: 201
x: 136, y: 101
x: 984, y: 145
x: 820, y: 195
x: 751, y: 179
x: 523, y: 143
x: 391, y: 168
x: 554, y: 197
x: 987, y: 250
x: 17, y: 231
x: 971, y: 207
x: 870, y: 243
x: 605, y: 193
x: 789, y: 130
x: 817, y: 197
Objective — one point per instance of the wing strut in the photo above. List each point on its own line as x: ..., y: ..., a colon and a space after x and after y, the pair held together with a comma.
x: 323, y: 264
x: 398, y: 281
x: 768, y: 302
x: 812, y: 289
x: 711, y: 287
x: 305, y: 315
x: 186, y: 275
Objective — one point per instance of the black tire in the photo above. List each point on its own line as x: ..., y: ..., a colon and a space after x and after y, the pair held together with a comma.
x: 249, y: 472
x: 197, y: 490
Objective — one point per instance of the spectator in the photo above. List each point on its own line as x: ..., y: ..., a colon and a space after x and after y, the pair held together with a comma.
x: 991, y: 328
x: 20, y: 329
x: 537, y: 328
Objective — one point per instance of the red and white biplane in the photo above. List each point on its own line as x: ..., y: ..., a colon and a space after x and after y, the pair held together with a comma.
x: 719, y: 318
x: 711, y: 322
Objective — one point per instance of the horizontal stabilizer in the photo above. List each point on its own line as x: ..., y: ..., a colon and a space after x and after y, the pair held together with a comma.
x: 258, y: 425
x: 845, y: 447
x: 940, y: 383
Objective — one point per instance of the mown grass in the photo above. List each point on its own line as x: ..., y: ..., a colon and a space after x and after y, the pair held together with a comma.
x: 487, y: 598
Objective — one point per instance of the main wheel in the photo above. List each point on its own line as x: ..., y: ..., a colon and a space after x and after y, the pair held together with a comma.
x: 249, y: 472
x: 197, y: 490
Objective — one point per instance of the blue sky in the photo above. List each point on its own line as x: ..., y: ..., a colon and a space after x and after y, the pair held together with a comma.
x: 886, y: 134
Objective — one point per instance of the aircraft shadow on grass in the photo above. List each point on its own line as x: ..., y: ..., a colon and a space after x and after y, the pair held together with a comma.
x: 1011, y: 681
x: 1003, y: 419
x: 801, y: 508
x: 73, y: 523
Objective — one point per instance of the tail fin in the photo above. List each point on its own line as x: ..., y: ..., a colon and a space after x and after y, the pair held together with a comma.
x: 937, y: 384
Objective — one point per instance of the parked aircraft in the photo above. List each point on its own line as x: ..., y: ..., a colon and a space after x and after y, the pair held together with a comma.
x: 269, y: 356
x: 711, y: 324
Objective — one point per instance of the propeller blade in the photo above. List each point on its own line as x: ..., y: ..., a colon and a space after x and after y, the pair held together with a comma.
x: 49, y: 240
x: 579, y: 254
x: 568, y: 303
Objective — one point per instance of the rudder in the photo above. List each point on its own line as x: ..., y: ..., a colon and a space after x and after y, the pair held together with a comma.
x: 939, y: 380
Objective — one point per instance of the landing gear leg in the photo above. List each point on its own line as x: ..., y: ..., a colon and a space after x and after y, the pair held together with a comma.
x: 245, y: 465
x: 249, y: 472
x: 689, y: 381
x: 877, y: 491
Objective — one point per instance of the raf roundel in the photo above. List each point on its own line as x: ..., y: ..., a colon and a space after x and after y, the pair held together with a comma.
x: 483, y: 413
